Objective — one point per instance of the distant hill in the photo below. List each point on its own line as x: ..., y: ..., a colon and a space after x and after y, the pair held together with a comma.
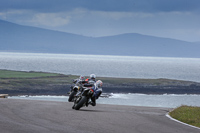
x: 14, y: 37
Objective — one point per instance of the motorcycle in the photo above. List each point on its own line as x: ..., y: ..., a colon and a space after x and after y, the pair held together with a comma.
x: 73, y: 92
x: 83, y: 99
x: 76, y: 88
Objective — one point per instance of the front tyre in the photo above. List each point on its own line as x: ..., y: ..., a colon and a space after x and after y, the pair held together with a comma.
x: 71, y: 96
x: 80, y: 103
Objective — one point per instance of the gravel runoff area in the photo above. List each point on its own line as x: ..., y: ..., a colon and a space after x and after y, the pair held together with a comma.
x: 31, y: 116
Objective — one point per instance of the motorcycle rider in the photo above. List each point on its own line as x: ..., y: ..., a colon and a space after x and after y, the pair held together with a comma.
x: 90, y: 80
x: 79, y: 81
x: 97, y: 87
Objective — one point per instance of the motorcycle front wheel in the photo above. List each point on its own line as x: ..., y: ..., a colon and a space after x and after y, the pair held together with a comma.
x: 71, y: 96
x: 80, y: 103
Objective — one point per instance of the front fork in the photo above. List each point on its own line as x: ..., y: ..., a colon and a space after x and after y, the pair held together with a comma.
x: 71, y: 89
x: 78, y: 98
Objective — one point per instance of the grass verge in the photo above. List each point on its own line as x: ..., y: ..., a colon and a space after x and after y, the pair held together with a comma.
x: 24, y: 74
x: 187, y: 114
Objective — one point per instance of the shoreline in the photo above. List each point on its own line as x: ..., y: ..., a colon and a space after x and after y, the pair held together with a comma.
x: 104, y: 95
x: 169, y: 101
x: 43, y: 83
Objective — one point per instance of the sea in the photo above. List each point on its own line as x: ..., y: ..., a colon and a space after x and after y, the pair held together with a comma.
x: 187, y: 69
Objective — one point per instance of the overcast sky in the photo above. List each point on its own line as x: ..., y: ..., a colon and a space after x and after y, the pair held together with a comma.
x: 178, y: 19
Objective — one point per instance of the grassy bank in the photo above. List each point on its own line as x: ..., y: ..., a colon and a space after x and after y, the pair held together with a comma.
x: 30, y: 83
x: 23, y: 74
x: 22, y: 82
x: 187, y: 114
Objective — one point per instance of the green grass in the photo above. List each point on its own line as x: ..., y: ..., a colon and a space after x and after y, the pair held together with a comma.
x: 6, y: 74
x: 9, y: 74
x: 187, y: 114
x: 17, y: 81
x: 23, y: 74
x: 25, y: 81
x: 156, y: 82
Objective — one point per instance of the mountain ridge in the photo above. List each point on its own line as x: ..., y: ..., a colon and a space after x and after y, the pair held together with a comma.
x: 14, y: 37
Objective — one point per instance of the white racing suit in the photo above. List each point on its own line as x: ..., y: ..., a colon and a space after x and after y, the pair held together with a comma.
x: 97, y: 93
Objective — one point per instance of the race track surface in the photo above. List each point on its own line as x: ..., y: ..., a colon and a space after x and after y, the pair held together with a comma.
x: 29, y: 116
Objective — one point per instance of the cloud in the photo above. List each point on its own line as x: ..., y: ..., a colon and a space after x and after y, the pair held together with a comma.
x: 121, y: 15
x: 50, y: 19
x: 4, y: 15
x: 29, y: 17
x: 102, y: 5
x: 167, y: 18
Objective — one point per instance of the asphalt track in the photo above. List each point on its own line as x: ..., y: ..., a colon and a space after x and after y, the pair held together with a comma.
x: 29, y: 116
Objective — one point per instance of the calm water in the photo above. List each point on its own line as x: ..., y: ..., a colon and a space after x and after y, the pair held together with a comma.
x: 170, y: 101
x: 108, y: 66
